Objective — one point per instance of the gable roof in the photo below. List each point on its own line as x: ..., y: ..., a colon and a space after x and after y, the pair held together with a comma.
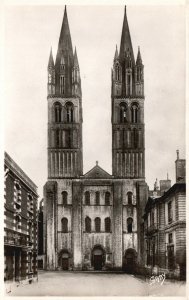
x: 97, y: 172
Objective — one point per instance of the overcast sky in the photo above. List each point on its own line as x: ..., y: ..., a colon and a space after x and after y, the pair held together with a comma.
x: 30, y: 31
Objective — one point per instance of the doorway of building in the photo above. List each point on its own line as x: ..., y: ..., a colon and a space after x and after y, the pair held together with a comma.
x: 171, y: 257
x: 130, y: 261
x: 98, y: 258
x: 17, y: 264
x: 65, y: 261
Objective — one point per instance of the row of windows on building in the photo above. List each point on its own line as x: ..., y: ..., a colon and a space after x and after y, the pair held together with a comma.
x: 31, y: 227
x: 64, y: 139
x: 69, y: 112
x: 128, y: 138
x: 97, y: 225
x: 18, y: 198
x: 118, y: 76
x: 97, y: 198
x: 125, y: 114
x: 169, y: 212
x: 75, y: 76
x: 139, y: 72
x: 129, y: 115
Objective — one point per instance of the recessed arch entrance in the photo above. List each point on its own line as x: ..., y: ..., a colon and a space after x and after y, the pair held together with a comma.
x: 129, y: 261
x: 98, y: 257
x: 63, y: 260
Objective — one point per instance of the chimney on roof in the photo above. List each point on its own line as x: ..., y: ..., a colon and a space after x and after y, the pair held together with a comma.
x: 177, y: 154
x: 180, y: 165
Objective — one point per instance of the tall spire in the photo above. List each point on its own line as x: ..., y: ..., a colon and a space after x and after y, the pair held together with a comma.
x: 116, y: 54
x: 126, y: 45
x: 51, y: 60
x: 65, y: 42
x: 76, y: 63
x: 139, y: 58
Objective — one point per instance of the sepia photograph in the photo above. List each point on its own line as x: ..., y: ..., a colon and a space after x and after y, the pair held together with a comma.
x: 94, y: 125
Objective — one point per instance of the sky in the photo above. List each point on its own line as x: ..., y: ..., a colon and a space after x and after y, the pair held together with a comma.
x: 30, y: 31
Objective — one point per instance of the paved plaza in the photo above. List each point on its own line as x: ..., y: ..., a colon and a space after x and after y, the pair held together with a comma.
x: 95, y: 284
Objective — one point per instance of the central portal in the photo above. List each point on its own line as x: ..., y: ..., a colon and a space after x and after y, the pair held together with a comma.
x: 98, y: 258
x: 64, y: 260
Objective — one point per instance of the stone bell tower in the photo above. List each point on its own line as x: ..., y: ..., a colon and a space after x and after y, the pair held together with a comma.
x: 65, y: 157
x: 65, y: 150
x: 128, y: 147
x: 128, y: 159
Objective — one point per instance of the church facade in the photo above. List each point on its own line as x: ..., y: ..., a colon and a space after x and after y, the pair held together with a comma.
x: 93, y: 220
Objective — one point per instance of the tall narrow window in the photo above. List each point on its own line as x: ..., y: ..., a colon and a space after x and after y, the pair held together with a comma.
x: 68, y: 138
x: 107, y: 198
x: 87, y: 198
x: 135, y: 138
x: 57, y: 110
x: 64, y: 225
x: 97, y: 224
x: 97, y: 198
x: 64, y: 198
x: 170, y: 212
x: 170, y: 238
x: 30, y: 203
x: 123, y: 113
x: 57, y: 138
x: 62, y: 64
x: 129, y: 225
x: 70, y: 112
x: 62, y: 84
x: 134, y: 114
x: 129, y: 198
x: 129, y: 84
x: 30, y: 230
x: 107, y: 225
x: 17, y: 223
x: 87, y: 224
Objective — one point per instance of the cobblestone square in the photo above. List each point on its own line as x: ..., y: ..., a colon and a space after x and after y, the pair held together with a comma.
x: 95, y: 284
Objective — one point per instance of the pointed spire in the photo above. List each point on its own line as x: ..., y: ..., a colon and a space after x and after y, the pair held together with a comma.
x: 51, y: 60
x: 76, y: 63
x: 139, y: 58
x: 65, y: 42
x: 126, y: 44
x: 116, y: 54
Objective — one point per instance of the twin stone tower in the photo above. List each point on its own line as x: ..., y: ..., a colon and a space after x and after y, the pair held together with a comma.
x: 93, y: 221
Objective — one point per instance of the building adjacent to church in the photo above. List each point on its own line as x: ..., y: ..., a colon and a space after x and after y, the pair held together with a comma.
x: 165, y: 226
x: 20, y: 224
x: 93, y: 220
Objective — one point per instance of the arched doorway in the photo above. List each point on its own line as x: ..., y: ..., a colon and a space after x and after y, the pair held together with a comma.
x: 64, y: 260
x: 130, y: 261
x: 98, y: 257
